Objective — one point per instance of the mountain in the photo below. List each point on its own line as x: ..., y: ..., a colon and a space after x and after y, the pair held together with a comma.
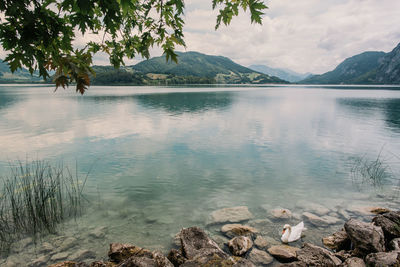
x: 358, y: 69
x: 19, y: 76
x: 365, y: 68
x: 388, y: 71
x: 217, y: 69
x: 192, y: 68
x: 283, y: 74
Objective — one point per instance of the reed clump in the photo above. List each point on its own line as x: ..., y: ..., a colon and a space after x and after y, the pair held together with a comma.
x: 373, y: 172
x: 35, y: 198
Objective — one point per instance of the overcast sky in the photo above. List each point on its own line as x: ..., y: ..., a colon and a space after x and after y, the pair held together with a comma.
x: 303, y: 35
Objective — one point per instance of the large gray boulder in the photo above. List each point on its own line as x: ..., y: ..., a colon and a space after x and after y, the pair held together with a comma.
x: 126, y: 255
x: 196, y: 242
x: 383, y: 259
x: 283, y: 253
x: 390, y: 223
x: 316, y: 256
x: 200, y: 250
x: 366, y: 237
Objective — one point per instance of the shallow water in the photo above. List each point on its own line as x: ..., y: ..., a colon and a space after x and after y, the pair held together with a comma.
x: 165, y: 157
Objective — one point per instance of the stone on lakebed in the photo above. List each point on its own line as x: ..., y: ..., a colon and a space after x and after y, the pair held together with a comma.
x: 232, y: 230
x: 231, y: 215
x: 260, y: 257
x: 281, y: 213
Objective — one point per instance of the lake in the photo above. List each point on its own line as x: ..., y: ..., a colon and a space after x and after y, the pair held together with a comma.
x: 164, y: 158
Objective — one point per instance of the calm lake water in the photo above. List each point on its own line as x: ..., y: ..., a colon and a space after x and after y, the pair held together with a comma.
x: 165, y: 157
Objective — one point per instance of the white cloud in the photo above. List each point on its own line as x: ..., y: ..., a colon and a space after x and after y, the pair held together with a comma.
x: 306, y: 36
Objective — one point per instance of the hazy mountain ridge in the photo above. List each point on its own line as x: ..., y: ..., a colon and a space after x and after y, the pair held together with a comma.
x: 365, y: 68
x: 284, y: 74
x: 389, y: 69
x: 19, y: 76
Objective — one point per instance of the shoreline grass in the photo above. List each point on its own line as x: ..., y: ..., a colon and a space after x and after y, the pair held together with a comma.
x: 35, y: 198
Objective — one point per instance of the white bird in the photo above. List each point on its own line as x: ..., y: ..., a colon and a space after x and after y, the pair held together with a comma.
x: 291, y: 234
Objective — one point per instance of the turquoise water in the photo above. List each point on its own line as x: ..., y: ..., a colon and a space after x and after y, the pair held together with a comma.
x: 165, y: 157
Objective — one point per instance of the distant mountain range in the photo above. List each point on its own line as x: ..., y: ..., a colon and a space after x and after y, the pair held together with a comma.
x: 365, y: 68
x: 19, y: 76
x: 197, y: 68
x: 192, y: 68
x: 283, y: 74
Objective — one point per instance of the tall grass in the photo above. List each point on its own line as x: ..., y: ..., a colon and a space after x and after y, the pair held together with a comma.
x: 35, y: 199
x: 372, y: 172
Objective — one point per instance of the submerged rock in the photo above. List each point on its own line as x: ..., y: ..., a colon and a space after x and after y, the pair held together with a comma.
x: 366, y: 237
x: 40, y: 261
x: 68, y: 243
x: 316, y: 256
x: 281, y: 213
x: 46, y: 247
x: 316, y: 208
x: 232, y: 230
x: 59, y: 256
x: 240, y: 245
x: 383, y: 259
x: 231, y: 215
x: 344, y: 214
x: 98, y: 232
x: 283, y: 252
x: 337, y: 241
x: 261, y: 242
x: 314, y: 219
x: 260, y: 257
x: 331, y: 219
x: 83, y: 255
x: 367, y: 210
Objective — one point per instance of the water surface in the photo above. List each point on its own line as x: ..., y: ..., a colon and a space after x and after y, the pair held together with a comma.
x: 165, y: 157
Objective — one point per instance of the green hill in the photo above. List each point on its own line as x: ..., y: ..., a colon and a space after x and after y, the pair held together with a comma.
x: 192, y: 64
x: 192, y: 68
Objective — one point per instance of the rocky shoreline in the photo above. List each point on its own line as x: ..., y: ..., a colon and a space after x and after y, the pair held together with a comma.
x: 358, y: 243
